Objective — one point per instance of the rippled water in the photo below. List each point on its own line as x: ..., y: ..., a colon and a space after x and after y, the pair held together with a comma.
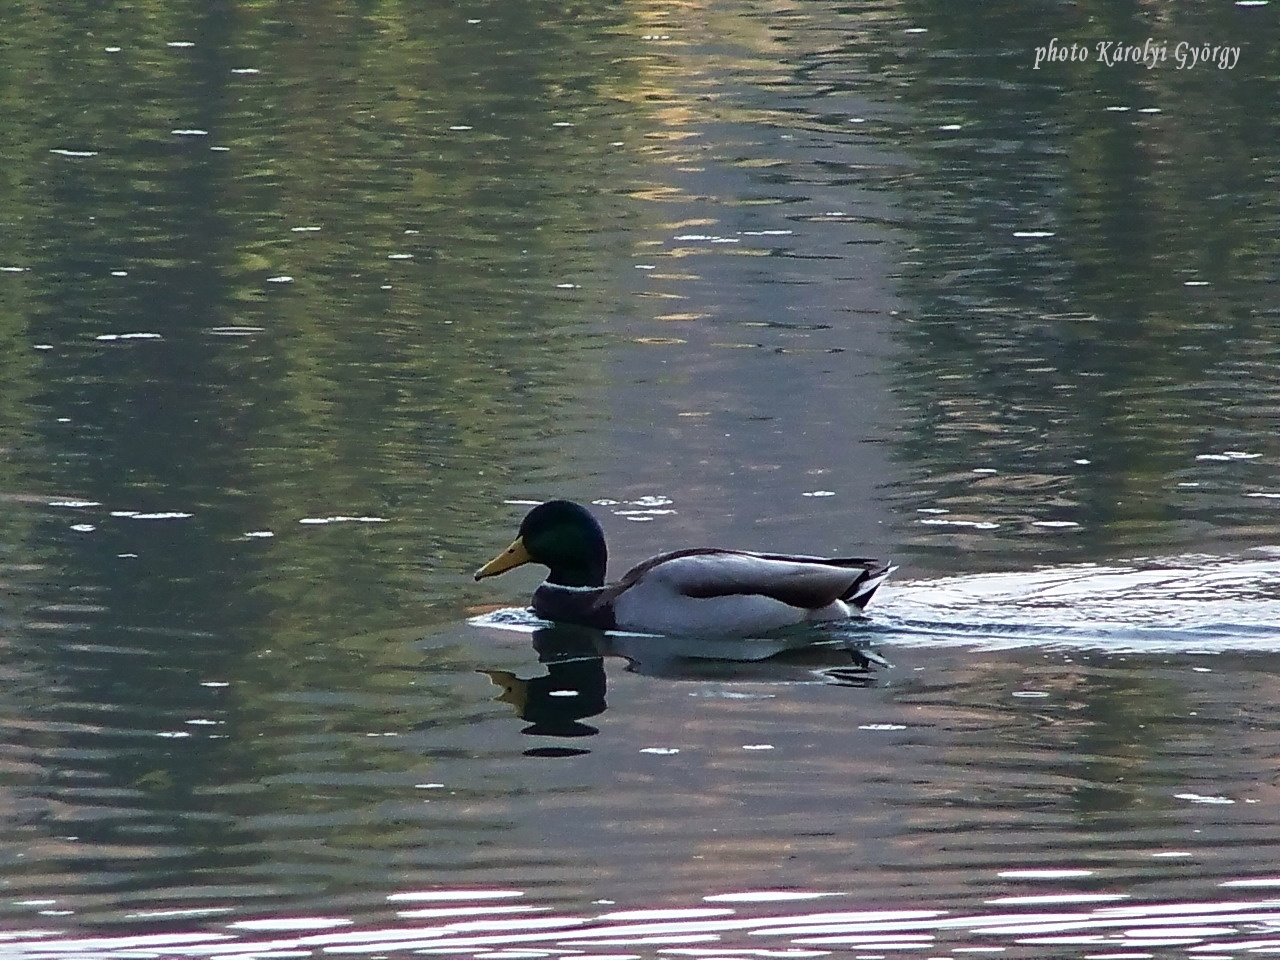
x: 1088, y: 800
x: 299, y: 310
x: 454, y: 925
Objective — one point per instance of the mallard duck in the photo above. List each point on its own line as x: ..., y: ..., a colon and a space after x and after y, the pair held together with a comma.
x: 699, y: 592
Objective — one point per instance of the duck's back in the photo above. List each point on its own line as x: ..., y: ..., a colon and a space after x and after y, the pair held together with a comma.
x: 709, y: 592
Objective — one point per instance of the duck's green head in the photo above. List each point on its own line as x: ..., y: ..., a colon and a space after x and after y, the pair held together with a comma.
x: 561, y: 535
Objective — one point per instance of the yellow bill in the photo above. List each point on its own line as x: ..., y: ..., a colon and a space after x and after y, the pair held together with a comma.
x: 514, y: 556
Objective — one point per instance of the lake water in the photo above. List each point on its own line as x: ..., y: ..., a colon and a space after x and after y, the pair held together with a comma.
x: 301, y: 308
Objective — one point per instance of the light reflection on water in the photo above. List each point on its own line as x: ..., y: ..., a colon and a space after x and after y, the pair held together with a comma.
x: 1194, y: 929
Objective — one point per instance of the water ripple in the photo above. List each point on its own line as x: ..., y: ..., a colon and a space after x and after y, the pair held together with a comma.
x: 1194, y: 928
x: 1188, y: 603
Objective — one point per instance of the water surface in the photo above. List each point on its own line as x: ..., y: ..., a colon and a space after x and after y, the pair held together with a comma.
x: 301, y: 309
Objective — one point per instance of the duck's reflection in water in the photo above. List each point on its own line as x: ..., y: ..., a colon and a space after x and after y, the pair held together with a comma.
x: 574, y: 684
x: 572, y: 688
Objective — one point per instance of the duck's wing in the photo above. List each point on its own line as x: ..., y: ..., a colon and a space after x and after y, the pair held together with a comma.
x: 863, y: 575
x: 798, y: 581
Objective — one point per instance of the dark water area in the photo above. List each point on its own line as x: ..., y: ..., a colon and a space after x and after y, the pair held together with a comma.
x: 300, y: 309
